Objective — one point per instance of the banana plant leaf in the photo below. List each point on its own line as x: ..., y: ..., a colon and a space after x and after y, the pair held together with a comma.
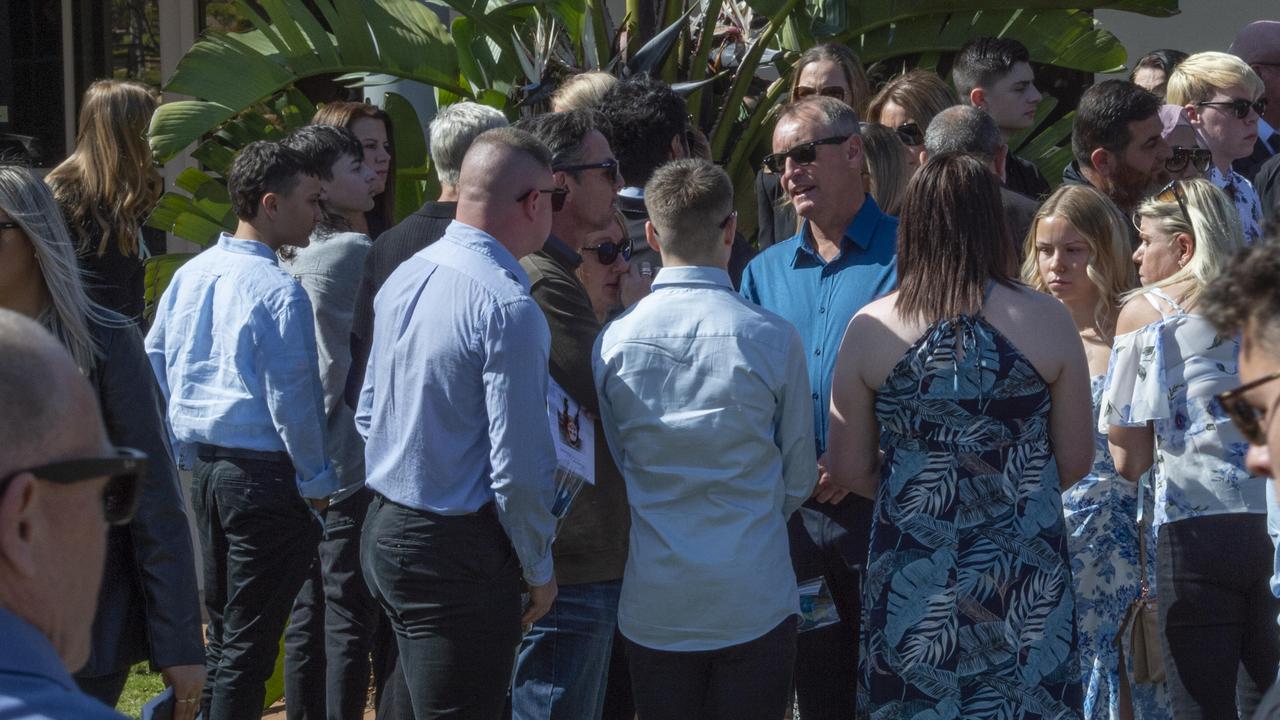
x: 413, y: 165
x: 158, y: 271
x: 650, y: 57
x: 866, y: 16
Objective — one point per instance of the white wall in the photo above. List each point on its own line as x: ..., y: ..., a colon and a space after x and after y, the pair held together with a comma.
x: 1202, y: 25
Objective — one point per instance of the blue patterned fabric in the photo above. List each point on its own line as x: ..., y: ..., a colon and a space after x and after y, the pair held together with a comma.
x: 1102, y: 537
x: 968, y: 602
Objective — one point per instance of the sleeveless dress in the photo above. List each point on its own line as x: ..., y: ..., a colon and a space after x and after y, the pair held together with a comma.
x: 1102, y: 538
x: 968, y: 608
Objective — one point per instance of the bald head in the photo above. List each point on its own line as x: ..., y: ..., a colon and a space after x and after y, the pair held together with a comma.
x: 496, y: 185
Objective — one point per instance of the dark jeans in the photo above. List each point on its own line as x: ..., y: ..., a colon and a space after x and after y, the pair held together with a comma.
x: 740, y: 682
x: 331, y: 632
x: 1217, y: 612
x: 831, y: 541
x: 450, y: 585
x: 257, y: 538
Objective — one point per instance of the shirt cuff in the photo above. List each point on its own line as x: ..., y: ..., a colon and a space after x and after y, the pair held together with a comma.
x: 539, y: 572
x: 319, y: 487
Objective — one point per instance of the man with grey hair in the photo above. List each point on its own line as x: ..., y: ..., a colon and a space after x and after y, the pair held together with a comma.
x: 704, y: 399
x: 458, y: 450
x: 61, y: 483
x: 843, y: 258
x: 966, y: 129
x: 452, y: 131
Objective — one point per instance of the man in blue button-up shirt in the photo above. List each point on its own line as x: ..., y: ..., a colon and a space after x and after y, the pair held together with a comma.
x: 458, y: 448
x: 843, y: 258
x: 704, y: 400
x: 234, y: 350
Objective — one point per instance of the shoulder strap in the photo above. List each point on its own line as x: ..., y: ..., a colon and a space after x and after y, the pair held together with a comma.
x: 1164, y: 296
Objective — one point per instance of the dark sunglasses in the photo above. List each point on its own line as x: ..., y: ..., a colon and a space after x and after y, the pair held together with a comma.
x: 910, y: 134
x: 1244, y: 416
x: 608, y: 252
x: 10, y: 226
x: 611, y: 165
x: 801, y: 154
x: 119, y: 496
x: 1240, y: 107
x: 1171, y: 192
x: 557, y: 196
x: 831, y: 91
x: 1197, y: 157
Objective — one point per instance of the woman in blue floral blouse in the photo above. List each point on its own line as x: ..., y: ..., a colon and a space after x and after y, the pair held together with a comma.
x: 1214, y: 557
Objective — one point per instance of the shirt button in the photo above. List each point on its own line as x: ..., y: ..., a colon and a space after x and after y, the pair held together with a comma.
x: 815, y: 396
x: 821, y: 310
x: 817, y: 351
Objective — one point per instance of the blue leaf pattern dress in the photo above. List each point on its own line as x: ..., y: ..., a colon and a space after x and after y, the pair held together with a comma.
x: 967, y: 599
x: 1102, y: 531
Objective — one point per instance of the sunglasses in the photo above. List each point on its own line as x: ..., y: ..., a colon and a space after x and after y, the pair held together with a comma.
x: 801, y: 154
x: 1244, y: 416
x: 10, y: 226
x: 1171, y: 192
x: 610, y: 165
x: 910, y: 134
x: 119, y: 496
x: 1197, y: 157
x: 831, y: 91
x: 608, y: 252
x: 1240, y: 107
x: 557, y: 196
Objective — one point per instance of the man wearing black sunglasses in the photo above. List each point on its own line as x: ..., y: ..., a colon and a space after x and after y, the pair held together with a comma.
x: 563, y: 659
x: 61, y: 485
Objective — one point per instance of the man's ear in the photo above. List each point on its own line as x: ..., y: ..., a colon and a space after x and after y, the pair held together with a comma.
x: 1103, y: 161
x: 651, y: 237
x: 18, y: 525
x: 269, y: 204
x: 678, y: 151
x: 730, y: 230
x: 978, y: 98
x: 1194, y: 116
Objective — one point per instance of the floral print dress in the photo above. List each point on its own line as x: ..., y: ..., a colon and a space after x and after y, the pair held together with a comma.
x: 968, y: 609
x: 1102, y: 536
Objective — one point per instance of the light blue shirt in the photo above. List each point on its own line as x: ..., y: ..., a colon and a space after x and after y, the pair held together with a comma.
x: 34, y: 684
x: 454, y: 404
x: 704, y: 398
x: 233, y: 347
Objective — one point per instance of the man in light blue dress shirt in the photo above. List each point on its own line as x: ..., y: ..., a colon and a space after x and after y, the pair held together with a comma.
x: 234, y: 350
x: 704, y: 398
x: 458, y: 448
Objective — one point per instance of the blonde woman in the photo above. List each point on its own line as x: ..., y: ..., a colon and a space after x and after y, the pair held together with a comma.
x: 907, y: 104
x: 106, y: 188
x: 885, y: 170
x: 1078, y: 251
x: 1213, y: 554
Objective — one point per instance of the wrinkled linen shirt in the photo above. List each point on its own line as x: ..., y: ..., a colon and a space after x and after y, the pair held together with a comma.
x: 454, y: 404
x: 704, y: 399
x: 233, y: 347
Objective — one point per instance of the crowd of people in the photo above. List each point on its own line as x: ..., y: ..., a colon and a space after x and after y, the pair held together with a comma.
x: 939, y: 441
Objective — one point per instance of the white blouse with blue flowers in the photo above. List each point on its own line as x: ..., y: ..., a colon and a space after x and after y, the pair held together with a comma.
x: 1168, y: 373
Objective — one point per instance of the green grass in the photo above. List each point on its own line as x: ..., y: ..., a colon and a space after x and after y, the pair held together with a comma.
x: 141, y: 686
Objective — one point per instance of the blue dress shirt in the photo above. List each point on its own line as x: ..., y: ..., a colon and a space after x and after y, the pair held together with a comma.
x: 34, y: 684
x: 454, y: 403
x: 704, y: 401
x: 820, y: 298
x: 233, y: 347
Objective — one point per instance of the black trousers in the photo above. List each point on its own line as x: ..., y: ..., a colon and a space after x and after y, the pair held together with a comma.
x: 831, y: 541
x: 450, y: 586
x: 1217, y: 613
x: 257, y: 538
x: 749, y: 681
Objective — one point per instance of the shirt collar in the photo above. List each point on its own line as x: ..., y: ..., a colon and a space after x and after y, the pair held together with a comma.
x: 692, y: 275
x: 858, y: 233
x: 240, y: 246
x: 29, y: 652
x: 561, y: 253
x: 477, y: 240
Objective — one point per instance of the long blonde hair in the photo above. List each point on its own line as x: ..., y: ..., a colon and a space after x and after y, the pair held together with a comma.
x: 1100, y: 222
x: 1214, y: 225
x: 885, y: 167
x: 109, y: 183
x: 68, y: 312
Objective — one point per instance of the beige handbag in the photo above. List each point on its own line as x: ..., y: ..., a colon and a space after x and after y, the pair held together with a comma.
x: 1141, y: 623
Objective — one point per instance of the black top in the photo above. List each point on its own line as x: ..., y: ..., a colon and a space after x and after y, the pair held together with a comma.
x: 1251, y: 164
x: 1022, y: 176
x: 114, y: 279
x: 392, y: 247
x: 1267, y: 183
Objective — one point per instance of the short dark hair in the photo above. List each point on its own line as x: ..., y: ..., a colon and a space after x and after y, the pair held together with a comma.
x: 264, y: 167
x: 1164, y: 59
x: 324, y: 146
x: 640, y: 117
x: 966, y: 129
x: 1246, y: 295
x: 983, y: 61
x: 1103, y: 117
x: 952, y: 239
x: 563, y: 133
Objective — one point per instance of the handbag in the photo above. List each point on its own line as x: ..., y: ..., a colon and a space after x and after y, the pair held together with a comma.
x: 1141, y: 624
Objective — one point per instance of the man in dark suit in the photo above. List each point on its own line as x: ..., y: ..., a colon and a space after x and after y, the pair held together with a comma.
x: 1258, y: 44
x: 966, y: 129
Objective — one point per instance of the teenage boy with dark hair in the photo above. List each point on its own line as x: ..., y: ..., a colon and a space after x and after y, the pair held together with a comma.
x: 995, y: 75
x: 234, y: 351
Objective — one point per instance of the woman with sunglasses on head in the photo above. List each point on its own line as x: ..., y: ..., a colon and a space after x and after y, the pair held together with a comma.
x: 907, y: 104
x: 147, y: 607
x: 1213, y: 554
x: 830, y: 70
x: 1078, y: 251
x: 1223, y: 99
